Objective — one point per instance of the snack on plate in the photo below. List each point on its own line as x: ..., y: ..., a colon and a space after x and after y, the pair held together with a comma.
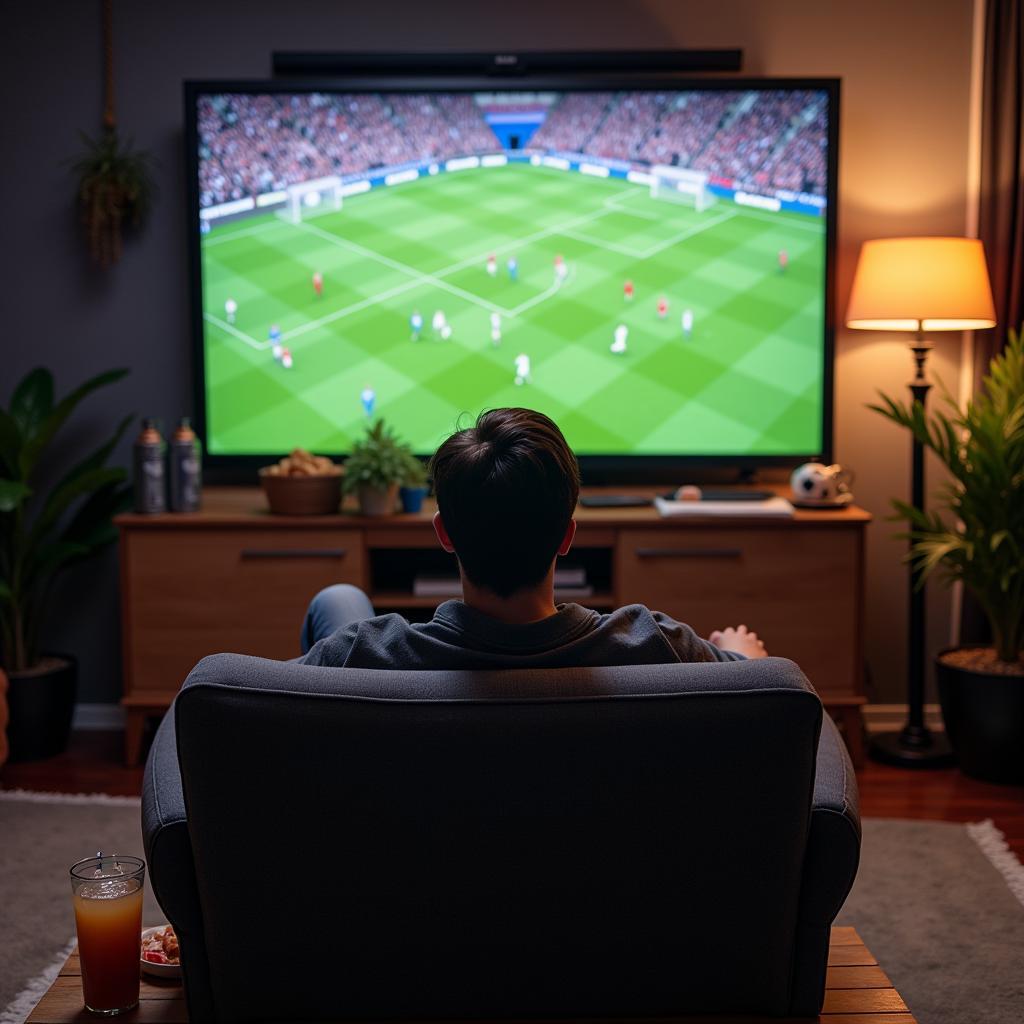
x: 161, y: 947
x: 303, y: 463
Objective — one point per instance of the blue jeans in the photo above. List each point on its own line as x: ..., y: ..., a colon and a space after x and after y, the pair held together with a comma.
x: 331, y: 609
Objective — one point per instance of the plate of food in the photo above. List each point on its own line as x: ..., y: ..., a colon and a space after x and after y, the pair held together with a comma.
x: 160, y: 955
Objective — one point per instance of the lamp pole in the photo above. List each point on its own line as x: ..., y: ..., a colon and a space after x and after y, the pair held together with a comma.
x: 915, y: 746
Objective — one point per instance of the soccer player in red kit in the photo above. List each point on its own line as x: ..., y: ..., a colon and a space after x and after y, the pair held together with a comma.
x: 783, y: 260
x: 662, y: 307
x: 318, y: 284
x: 627, y: 291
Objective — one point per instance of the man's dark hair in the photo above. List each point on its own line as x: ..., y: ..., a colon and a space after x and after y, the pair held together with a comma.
x: 506, y: 490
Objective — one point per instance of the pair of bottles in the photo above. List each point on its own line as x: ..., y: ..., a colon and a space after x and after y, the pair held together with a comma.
x: 185, y: 469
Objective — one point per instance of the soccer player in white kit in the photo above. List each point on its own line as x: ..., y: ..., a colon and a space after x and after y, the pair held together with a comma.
x: 621, y: 334
x: 492, y: 265
x: 439, y: 322
x: 495, y: 329
x: 230, y: 309
x: 687, y: 322
x: 522, y: 368
x: 561, y: 269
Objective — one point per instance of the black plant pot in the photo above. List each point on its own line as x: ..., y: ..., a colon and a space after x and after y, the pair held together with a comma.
x: 41, y: 704
x: 984, y: 715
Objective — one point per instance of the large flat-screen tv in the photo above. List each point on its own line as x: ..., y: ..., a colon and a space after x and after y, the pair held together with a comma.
x: 648, y: 262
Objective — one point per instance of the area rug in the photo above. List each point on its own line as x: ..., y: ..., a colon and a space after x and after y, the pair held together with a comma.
x: 935, y: 903
x: 942, y: 908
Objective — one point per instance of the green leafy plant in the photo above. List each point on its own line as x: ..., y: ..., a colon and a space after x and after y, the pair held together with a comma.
x: 115, y: 189
x: 43, y: 530
x: 379, y: 460
x: 977, y: 534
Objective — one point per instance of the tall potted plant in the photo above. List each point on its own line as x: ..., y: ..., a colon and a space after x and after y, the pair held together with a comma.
x: 43, y: 530
x: 976, y: 535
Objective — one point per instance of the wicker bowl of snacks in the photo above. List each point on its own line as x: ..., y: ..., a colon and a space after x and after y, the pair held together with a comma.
x: 302, y: 484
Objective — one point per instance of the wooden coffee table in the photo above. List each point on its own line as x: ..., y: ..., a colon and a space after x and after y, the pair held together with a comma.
x: 857, y: 991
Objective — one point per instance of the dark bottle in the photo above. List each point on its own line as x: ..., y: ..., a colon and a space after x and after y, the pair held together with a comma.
x: 186, y: 469
x: 148, y: 464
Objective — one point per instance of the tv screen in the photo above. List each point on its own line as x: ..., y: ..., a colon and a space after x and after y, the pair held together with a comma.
x: 648, y: 265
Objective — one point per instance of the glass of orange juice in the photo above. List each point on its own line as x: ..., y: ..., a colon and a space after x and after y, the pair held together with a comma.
x: 107, y: 893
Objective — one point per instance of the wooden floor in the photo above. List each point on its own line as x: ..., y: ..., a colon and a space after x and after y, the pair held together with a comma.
x: 93, y: 765
x: 857, y: 991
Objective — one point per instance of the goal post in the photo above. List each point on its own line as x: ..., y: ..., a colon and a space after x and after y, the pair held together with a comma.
x: 311, y: 196
x: 680, y: 185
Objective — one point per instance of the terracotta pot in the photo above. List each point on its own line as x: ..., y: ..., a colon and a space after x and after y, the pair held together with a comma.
x: 373, y: 501
x: 41, y: 702
x: 984, y: 715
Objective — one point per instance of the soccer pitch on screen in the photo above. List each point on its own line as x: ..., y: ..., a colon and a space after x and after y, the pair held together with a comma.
x: 745, y: 380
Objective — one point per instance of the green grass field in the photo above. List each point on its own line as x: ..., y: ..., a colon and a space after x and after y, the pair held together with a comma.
x: 748, y: 380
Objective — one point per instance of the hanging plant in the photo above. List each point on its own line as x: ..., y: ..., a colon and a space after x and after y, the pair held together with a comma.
x: 115, y: 190
x: 115, y: 182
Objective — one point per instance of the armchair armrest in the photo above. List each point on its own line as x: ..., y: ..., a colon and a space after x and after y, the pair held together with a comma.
x: 830, y: 866
x: 171, y: 870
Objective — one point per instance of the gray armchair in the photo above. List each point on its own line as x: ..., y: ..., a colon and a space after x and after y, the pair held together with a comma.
x: 337, y: 844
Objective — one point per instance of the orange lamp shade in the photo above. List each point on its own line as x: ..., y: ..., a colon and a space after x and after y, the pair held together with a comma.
x: 927, y: 284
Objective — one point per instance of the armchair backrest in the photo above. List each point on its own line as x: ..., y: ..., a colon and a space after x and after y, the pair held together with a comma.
x: 587, y: 842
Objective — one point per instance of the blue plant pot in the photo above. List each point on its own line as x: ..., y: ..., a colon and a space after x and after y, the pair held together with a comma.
x: 412, y: 498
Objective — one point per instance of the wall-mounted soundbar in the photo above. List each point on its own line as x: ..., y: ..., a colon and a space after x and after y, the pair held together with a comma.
x: 292, y: 62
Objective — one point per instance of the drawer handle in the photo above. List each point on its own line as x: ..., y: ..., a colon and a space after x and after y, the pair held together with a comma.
x: 689, y: 553
x: 252, y: 553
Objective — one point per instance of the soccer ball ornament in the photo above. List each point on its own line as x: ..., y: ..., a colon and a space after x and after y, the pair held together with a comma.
x: 816, y: 485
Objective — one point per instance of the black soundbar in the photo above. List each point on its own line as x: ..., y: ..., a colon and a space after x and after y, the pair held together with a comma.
x: 297, y: 62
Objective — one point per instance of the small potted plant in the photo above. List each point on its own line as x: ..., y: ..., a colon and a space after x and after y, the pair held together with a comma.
x: 378, y: 465
x: 414, y: 486
x: 43, y: 530
x: 977, y: 536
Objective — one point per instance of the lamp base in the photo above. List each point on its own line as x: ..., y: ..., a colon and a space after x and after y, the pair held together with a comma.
x: 913, y: 747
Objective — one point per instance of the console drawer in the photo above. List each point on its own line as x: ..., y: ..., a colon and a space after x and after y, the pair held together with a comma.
x: 193, y: 592
x: 800, y: 588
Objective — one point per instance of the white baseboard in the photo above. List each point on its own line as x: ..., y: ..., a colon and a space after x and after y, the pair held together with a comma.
x: 98, y: 716
x: 892, y: 717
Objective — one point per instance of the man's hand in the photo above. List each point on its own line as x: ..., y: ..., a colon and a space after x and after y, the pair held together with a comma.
x: 739, y: 639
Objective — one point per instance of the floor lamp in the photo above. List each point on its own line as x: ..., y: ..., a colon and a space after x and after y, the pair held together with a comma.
x: 919, y: 285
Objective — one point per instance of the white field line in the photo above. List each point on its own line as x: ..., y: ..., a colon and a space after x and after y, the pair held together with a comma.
x: 338, y: 314
x: 542, y: 296
x: 614, y: 246
x: 613, y: 203
x: 240, y: 335
x: 653, y: 250
x: 518, y: 243
x: 404, y: 268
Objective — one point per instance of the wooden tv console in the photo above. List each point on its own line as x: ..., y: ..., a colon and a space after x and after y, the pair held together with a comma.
x: 233, y: 577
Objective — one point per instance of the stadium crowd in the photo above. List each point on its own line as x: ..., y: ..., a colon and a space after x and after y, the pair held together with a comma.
x: 254, y: 144
x: 250, y: 144
x: 755, y: 140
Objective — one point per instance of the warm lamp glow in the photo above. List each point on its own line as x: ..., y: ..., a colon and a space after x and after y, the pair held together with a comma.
x: 927, y: 284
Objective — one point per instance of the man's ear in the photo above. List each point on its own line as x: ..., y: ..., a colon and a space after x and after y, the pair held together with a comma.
x: 570, y: 536
x: 442, y: 534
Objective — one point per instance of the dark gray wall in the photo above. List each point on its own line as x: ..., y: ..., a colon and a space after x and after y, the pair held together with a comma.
x: 905, y: 70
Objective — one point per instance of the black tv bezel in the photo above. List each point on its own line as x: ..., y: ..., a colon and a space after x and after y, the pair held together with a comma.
x: 595, y: 469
